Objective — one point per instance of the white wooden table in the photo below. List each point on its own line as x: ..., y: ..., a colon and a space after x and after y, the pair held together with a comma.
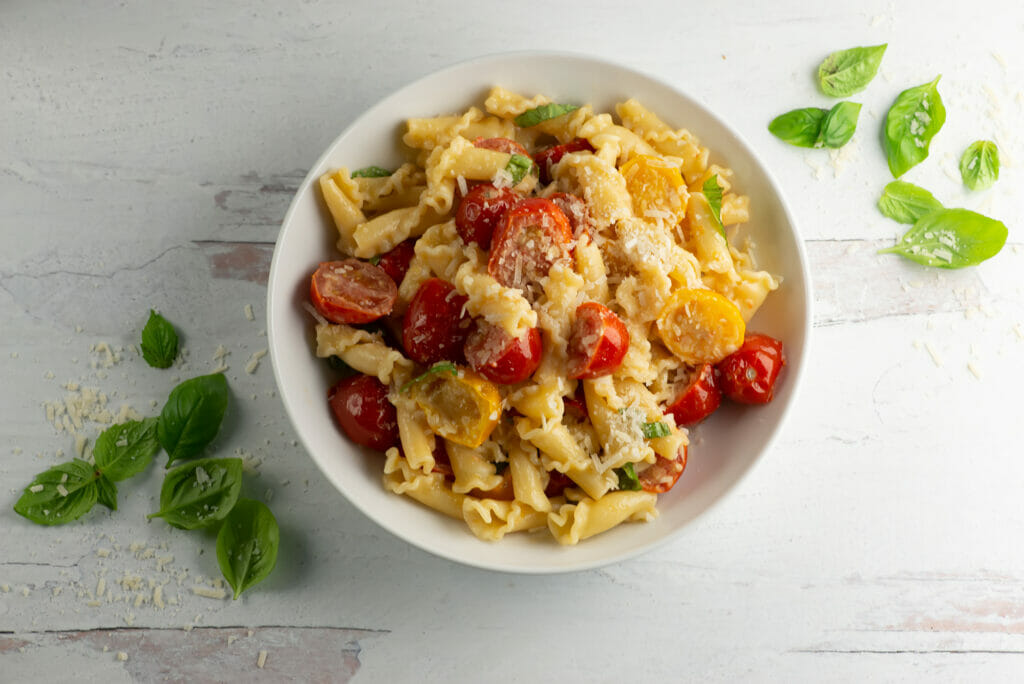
x: 148, y: 152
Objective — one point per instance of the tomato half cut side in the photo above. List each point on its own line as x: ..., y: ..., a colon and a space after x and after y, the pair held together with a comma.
x: 506, y: 145
x: 352, y: 291
x: 699, y: 398
x: 435, y: 327
x: 361, y: 407
x: 534, y: 236
x: 599, y: 342
x: 663, y: 474
x: 480, y: 212
x: 550, y: 156
x: 396, y: 262
x: 748, y: 375
x: 499, y: 357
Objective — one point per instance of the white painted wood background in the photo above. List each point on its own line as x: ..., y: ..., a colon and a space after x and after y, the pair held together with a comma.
x: 148, y: 151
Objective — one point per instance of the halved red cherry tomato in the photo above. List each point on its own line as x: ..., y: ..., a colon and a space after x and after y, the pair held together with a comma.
x: 361, y: 407
x: 506, y: 145
x: 480, y: 212
x: 557, y: 483
x: 662, y: 475
x: 699, y: 398
x: 352, y: 291
x: 494, y: 354
x: 534, y: 236
x: 598, y: 343
x: 550, y: 156
x: 435, y: 327
x: 396, y: 262
x: 575, y: 209
x: 748, y: 375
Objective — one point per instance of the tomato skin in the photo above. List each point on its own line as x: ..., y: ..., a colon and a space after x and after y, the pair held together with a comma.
x: 434, y: 327
x: 361, y: 407
x: 748, y: 375
x: 494, y: 354
x: 663, y: 474
x: 699, y: 398
x: 352, y: 291
x: 481, y: 211
x: 576, y: 210
x: 396, y: 262
x: 534, y: 236
x: 557, y: 484
x: 550, y: 156
x: 598, y: 343
x: 506, y: 145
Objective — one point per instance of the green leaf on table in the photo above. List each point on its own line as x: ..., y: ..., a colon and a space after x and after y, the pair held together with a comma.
x: 800, y: 127
x: 906, y: 202
x: 839, y: 124
x: 713, y: 193
x: 192, y: 416
x: 59, y: 495
x: 106, y: 492
x: 159, y: 341
x: 627, y: 478
x: 247, y: 545
x: 532, y: 117
x: 125, y: 450
x: 913, y: 120
x: 200, y: 493
x: 951, y: 238
x: 370, y: 172
x: 979, y: 166
x: 846, y: 72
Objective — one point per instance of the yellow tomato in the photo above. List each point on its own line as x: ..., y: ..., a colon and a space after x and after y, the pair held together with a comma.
x: 463, y: 407
x: 700, y: 326
x: 656, y: 187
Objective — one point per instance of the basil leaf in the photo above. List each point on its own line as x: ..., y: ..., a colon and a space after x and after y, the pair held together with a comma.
x: 979, y: 167
x: 951, y: 238
x: 125, y: 450
x: 800, y: 127
x: 370, y: 172
x: 200, y: 493
x: 59, y: 495
x: 532, y: 117
x: 518, y: 166
x: 247, y: 545
x: 906, y: 202
x: 442, y: 367
x: 192, y: 415
x: 655, y: 430
x: 106, y: 492
x: 159, y: 341
x: 713, y: 193
x: 846, y: 72
x: 627, y: 478
x: 839, y: 124
x: 375, y: 260
x: 913, y: 120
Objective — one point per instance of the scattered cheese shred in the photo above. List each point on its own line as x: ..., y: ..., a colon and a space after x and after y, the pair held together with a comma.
x: 254, y: 361
x: 248, y: 313
x: 261, y: 660
x: 934, y: 354
x: 122, y: 656
x: 208, y: 592
x: 35, y: 489
x: 975, y: 371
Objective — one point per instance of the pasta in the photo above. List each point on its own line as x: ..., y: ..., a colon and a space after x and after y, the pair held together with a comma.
x: 546, y: 286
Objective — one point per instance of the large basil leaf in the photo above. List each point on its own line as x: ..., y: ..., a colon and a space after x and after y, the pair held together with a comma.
x: 247, y: 545
x: 799, y: 127
x: 59, y: 495
x: 951, y: 238
x: 906, y: 202
x: 125, y: 450
x: 846, y: 72
x: 913, y: 120
x: 192, y: 415
x: 200, y: 493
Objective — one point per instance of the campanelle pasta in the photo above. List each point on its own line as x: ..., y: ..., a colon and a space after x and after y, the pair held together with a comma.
x: 533, y: 383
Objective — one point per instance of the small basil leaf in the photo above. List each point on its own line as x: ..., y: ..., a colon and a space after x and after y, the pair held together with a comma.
x: 627, y: 478
x: 200, y: 493
x: 906, y: 202
x: 532, y: 117
x: 951, y: 238
x: 518, y: 166
x: 846, y: 72
x: 371, y: 172
x: 125, y: 450
x: 441, y: 367
x: 192, y: 415
x: 979, y: 167
x: 247, y: 545
x: 799, y: 127
x: 159, y: 341
x: 713, y: 193
x: 655, y: 430
x: 59, y: 495
x: 106, y: 492
x: 839, y: 124
x: 913, y: 120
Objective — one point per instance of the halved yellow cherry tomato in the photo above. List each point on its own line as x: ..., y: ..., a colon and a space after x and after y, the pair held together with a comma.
x: 656, y: 187
x: 700, y: 326
x: 463, y: 407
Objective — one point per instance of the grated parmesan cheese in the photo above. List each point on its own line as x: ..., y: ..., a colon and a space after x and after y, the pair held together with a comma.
x: 122, y: 656
x: 261, y: 660
x: 207, y: 592
x: 254, y: 361
x: 249, y: 316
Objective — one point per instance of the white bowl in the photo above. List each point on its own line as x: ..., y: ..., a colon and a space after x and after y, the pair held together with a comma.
x: 725, y: 446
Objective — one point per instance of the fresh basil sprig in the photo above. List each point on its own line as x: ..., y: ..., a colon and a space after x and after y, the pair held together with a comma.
x: 655, y: 430
x: 125, y: 450
x: 60, y: 494
x: 532, y: 117
x: 200, y: 493
x: 906, y: 202
x: 979, y: 165
x: 713, y: 193
x: 913, y: 120
x: 247, y: 545
x: 441, y: 367
x: 370, y: 172
x: 159, y: 341
x: 816, y: 127
x: 839, y: 125
x: 951, y: 238
x: 846, y: 72
x: 518, y: 166
x: 627, y: 478
x: 106, y: 492
x: 192, y: 416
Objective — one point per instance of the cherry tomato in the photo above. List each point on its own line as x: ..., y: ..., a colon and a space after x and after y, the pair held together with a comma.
x: 396, y: 262
x: 550, y: 156
x: 506, y: 145
x: 557, y: 483
x: 575, y: 209
x: 748, y: 375
x: 534, y: 236
x: 480, y: 212
x: 598, y: 343
x: 494, y: 354
x: 435, y: 327
x: 699, y: 398
x: 361, y: 407
x: 352, y: 291
x: 662, y: 475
